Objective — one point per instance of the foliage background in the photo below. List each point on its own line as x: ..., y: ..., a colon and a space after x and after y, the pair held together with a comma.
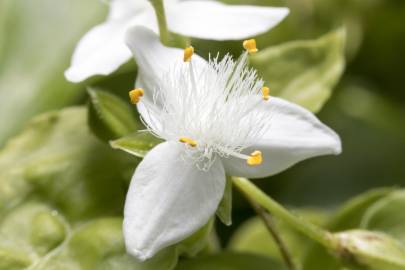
x: 367, y: 108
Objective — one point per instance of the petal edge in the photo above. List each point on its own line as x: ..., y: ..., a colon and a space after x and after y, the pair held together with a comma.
x: 295, y: 134
x: 217, y: 21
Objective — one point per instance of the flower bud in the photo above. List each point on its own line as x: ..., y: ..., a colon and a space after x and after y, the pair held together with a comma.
x: 370, y: 250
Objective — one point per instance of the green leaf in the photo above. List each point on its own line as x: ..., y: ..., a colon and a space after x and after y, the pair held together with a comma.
x: 57, y: 158
x: 253, y: 237
x: 303, y: 72
x: 195, y: 243
x: 137, y: 144
x: 54, y: 177
x: 318, y: 258
x: 97, y: 244
x: 229, y: 261
x: 109, y: 116
x: 387, y: 215
x: 348, y: 217
x: 100, y: 245
x: 37, y: 38
x: 224, y: 211
x: 351, y: 214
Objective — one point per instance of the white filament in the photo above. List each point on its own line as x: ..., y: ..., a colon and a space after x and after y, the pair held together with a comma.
x: 211, y: 105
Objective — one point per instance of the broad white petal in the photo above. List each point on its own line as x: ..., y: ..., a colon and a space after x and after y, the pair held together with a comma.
x: 154, y: 60
x: 169, y: 199
x: 102, y: 50
x: 123, y: 9
x: 294, y: 134
x: 216, y: 21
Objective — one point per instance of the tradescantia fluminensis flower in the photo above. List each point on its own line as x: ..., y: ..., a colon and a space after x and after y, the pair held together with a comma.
x: 102, y: 50
x: 217, y: 118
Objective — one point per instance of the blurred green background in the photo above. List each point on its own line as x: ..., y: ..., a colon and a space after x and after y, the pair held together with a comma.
x: 367, y: 108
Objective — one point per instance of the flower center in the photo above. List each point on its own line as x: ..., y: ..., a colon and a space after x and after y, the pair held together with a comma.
x: 211, y: 107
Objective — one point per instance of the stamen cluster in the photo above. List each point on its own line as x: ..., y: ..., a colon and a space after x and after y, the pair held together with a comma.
x: 210, y: 108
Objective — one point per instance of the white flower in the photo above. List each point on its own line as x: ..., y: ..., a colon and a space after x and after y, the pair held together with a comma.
x: 102, y: 50
x: 216, y: 118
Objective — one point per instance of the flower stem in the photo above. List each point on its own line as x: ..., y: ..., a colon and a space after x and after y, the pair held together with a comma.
x: 159, y: 7
x: 253, y: 193
x: 268, y: 222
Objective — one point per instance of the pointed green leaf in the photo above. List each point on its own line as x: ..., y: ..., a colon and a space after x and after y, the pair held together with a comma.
x: 109, y: 116
x: 387, y: 215
x: 351, y: 214
x: 137, y: 144
x: 229, y: 261
x: 303, y: 72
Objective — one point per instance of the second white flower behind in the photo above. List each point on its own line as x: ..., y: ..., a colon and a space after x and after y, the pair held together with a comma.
x: 217, y: 117
x: 102, y: 50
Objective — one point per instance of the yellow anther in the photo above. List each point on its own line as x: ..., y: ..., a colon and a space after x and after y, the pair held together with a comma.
x: 266, y: 93
x: 135, y: 95
x: 188, y: 53
x: 188, y: 141
x: 255, y: 158
x: 250, y: 46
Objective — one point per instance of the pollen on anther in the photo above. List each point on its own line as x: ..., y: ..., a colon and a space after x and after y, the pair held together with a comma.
x: 266, y: 93
x: 250, y: 46
x: 188, y: 141
x: 188, y: 54
x: 255, y: 158
x: 135, y: 95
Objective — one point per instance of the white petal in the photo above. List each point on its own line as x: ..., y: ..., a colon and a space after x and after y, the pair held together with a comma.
x: 216, y: 21
x: 102, y: 50
x: 295, y: 134
x: 169, y: 199
x: 122, y: 9
x: 154, y: 60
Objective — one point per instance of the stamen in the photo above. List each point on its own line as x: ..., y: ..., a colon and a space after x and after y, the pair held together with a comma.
x: 266, y: 93
x: 188, y: 141
x: 135, y: 95
x: 216, y: 96
x: 188, y: 54
x: 250, y: 46
x: 255, y: 158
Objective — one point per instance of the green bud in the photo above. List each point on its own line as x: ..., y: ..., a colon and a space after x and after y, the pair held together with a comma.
x: 370, y: 250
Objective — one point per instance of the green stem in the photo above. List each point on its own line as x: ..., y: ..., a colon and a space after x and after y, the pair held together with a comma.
x: 159, y: 7
x: 253, y: 193
x: 268, y: 222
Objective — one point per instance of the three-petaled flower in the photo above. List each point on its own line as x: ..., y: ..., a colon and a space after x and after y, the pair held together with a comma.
x: 102, y: 50
x: 217, y: 118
